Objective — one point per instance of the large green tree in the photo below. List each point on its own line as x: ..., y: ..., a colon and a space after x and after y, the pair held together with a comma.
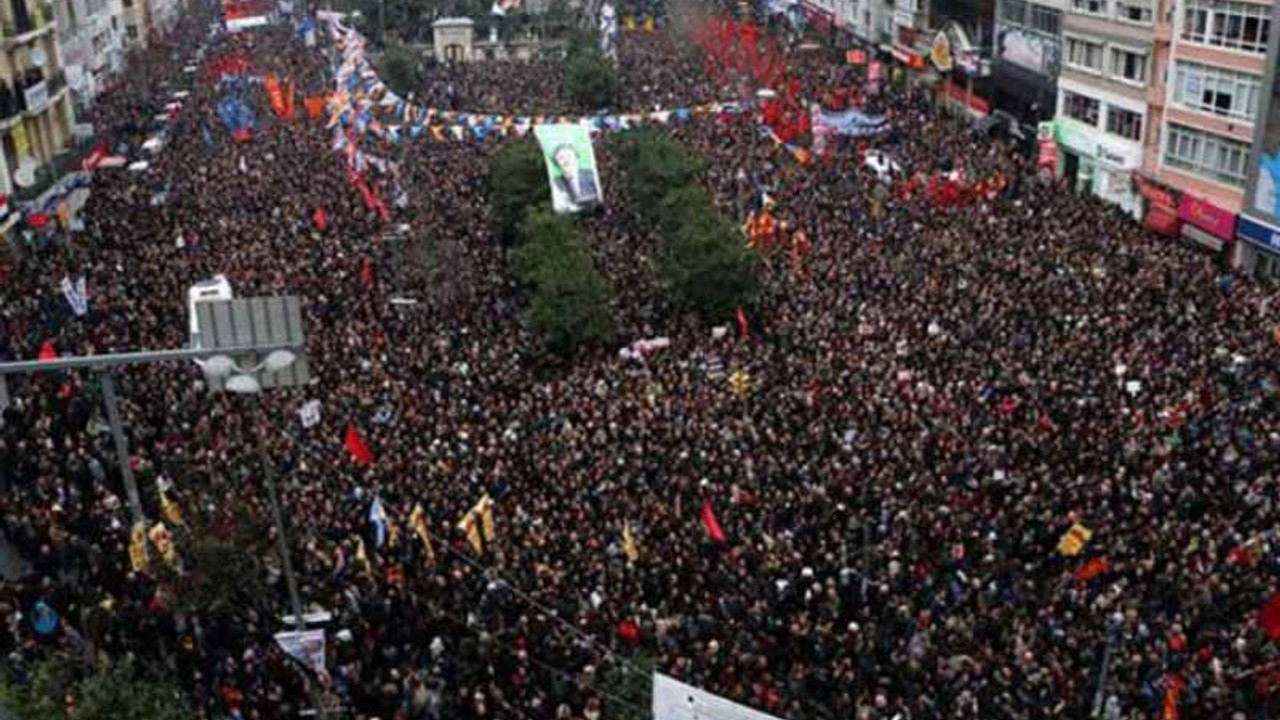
x: 111, y: 691
x: 656, y: 164
x: 571, y: 303
x: 590, y: 78
x: 517, y: 182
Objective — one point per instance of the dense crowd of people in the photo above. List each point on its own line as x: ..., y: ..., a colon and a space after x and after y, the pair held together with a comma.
x: 937, y: 397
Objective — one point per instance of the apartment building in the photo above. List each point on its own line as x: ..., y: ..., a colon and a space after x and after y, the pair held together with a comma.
x: 91, y: 34
x: 1258, y: 225
x: 1213, y: 54
x: 1027, y: 57
x: 35, y: 108
x: 1102, y: 118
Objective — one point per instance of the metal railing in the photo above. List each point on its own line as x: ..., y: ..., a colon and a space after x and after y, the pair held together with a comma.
x: 62, y: 164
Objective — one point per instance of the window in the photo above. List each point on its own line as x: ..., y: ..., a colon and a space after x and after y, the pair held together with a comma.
x: 1134, y: 11
x: 1014, y: 12
x: 1212, y: 156
x: 1125, y: 123
x: 1046, y: 20
x: 1231, y: 25
x: 1216, y: 90
x: 1084, y: 55
x: 132, y: 32
x: 1080, y: 107
x: 1090, y: 7
x: 1129, y: 66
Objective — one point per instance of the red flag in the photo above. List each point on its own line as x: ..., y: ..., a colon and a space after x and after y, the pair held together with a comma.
x: 1092, y: 569
x: 710, y: 523
x: 47, y: 352
x: 366, y: 272
x: 355, y: 445
x: 320, y: 220
x: 629, y: 633
x: 290, y: 92
x: 744, y: 329
x: 1173, y: 684
x: 1269, y: 618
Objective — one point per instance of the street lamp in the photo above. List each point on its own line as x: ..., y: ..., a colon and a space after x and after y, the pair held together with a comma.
x: 223, y: 371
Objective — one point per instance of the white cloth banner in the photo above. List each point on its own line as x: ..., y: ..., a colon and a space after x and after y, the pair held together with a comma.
x: 305, y: 646
x: 310, y: 414
x: 673, y: 700
x: 77, y: 295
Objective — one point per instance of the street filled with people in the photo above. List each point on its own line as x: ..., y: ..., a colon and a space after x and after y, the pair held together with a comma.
x: 1004, y: 453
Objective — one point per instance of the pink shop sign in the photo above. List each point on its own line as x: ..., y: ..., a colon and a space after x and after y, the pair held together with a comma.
x: 1207, y: 216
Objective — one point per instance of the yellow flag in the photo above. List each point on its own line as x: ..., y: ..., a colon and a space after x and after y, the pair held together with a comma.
x: 362, y: 557
x: 418, y: 521
x: 629, y: 545
x: 1074, y: 540
x: 648, y: 24
x: 437, y: 132
x: 138, y: 548
x: 478, y: 524
x: 160, y: 537
x: 170, y: 510
x: 630, y: 22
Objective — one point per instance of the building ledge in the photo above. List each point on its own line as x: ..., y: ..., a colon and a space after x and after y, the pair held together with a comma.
x: 30, y: 36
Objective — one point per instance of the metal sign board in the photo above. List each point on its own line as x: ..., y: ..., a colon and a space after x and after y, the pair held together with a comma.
x: 266, y: 322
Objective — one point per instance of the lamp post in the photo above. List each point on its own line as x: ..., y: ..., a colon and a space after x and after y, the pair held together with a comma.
x: 242, y: 381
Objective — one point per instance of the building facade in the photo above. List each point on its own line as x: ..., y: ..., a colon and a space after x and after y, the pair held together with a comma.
x: 91, y: 34
x: 1027, y: 57
x: 1258, y: 225
x: 1106, y: 71
x: 35, y: 107
x: 1206, y: 110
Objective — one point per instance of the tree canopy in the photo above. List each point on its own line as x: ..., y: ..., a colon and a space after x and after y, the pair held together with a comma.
x: 517, y: 181
x: 572, y: 303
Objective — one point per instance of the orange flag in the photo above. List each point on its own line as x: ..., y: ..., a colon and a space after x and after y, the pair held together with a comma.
x: 289, y: 93
x: 315, y: 106
x: 1092, y: 569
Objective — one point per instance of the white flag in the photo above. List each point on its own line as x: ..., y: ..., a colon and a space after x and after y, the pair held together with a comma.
x: 77, y: 295
x: 305, y: 646
x: 310, y: 414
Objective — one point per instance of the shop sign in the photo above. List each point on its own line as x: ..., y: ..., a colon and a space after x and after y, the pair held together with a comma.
x: 1259, y: 234
x: 1207, y: 216
x: 1155, y: 193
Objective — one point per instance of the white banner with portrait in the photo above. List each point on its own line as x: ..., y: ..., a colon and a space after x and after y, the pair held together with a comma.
x: 571, y: 165
x: 673, y: 700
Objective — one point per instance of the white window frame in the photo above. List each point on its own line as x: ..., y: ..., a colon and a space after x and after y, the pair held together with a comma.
x: 1150, y: 5
x: 1142, y: 122
x: 1210, y: 144
x: 1075, y: 6
x: 1244, y: 84
x: 1062, y: 107
x: 1067, y: 61
x: 1114, y: 73
x: 1225, y: 9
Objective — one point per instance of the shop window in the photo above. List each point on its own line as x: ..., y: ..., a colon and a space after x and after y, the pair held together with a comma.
x: 1046, y: 20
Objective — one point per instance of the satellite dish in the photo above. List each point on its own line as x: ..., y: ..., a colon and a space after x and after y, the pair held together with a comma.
x: 25, y: 177
x: 39, y: 57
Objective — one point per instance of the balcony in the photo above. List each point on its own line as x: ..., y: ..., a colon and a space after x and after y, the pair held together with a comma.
x: 64, y: 163
x: 26, y: 26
